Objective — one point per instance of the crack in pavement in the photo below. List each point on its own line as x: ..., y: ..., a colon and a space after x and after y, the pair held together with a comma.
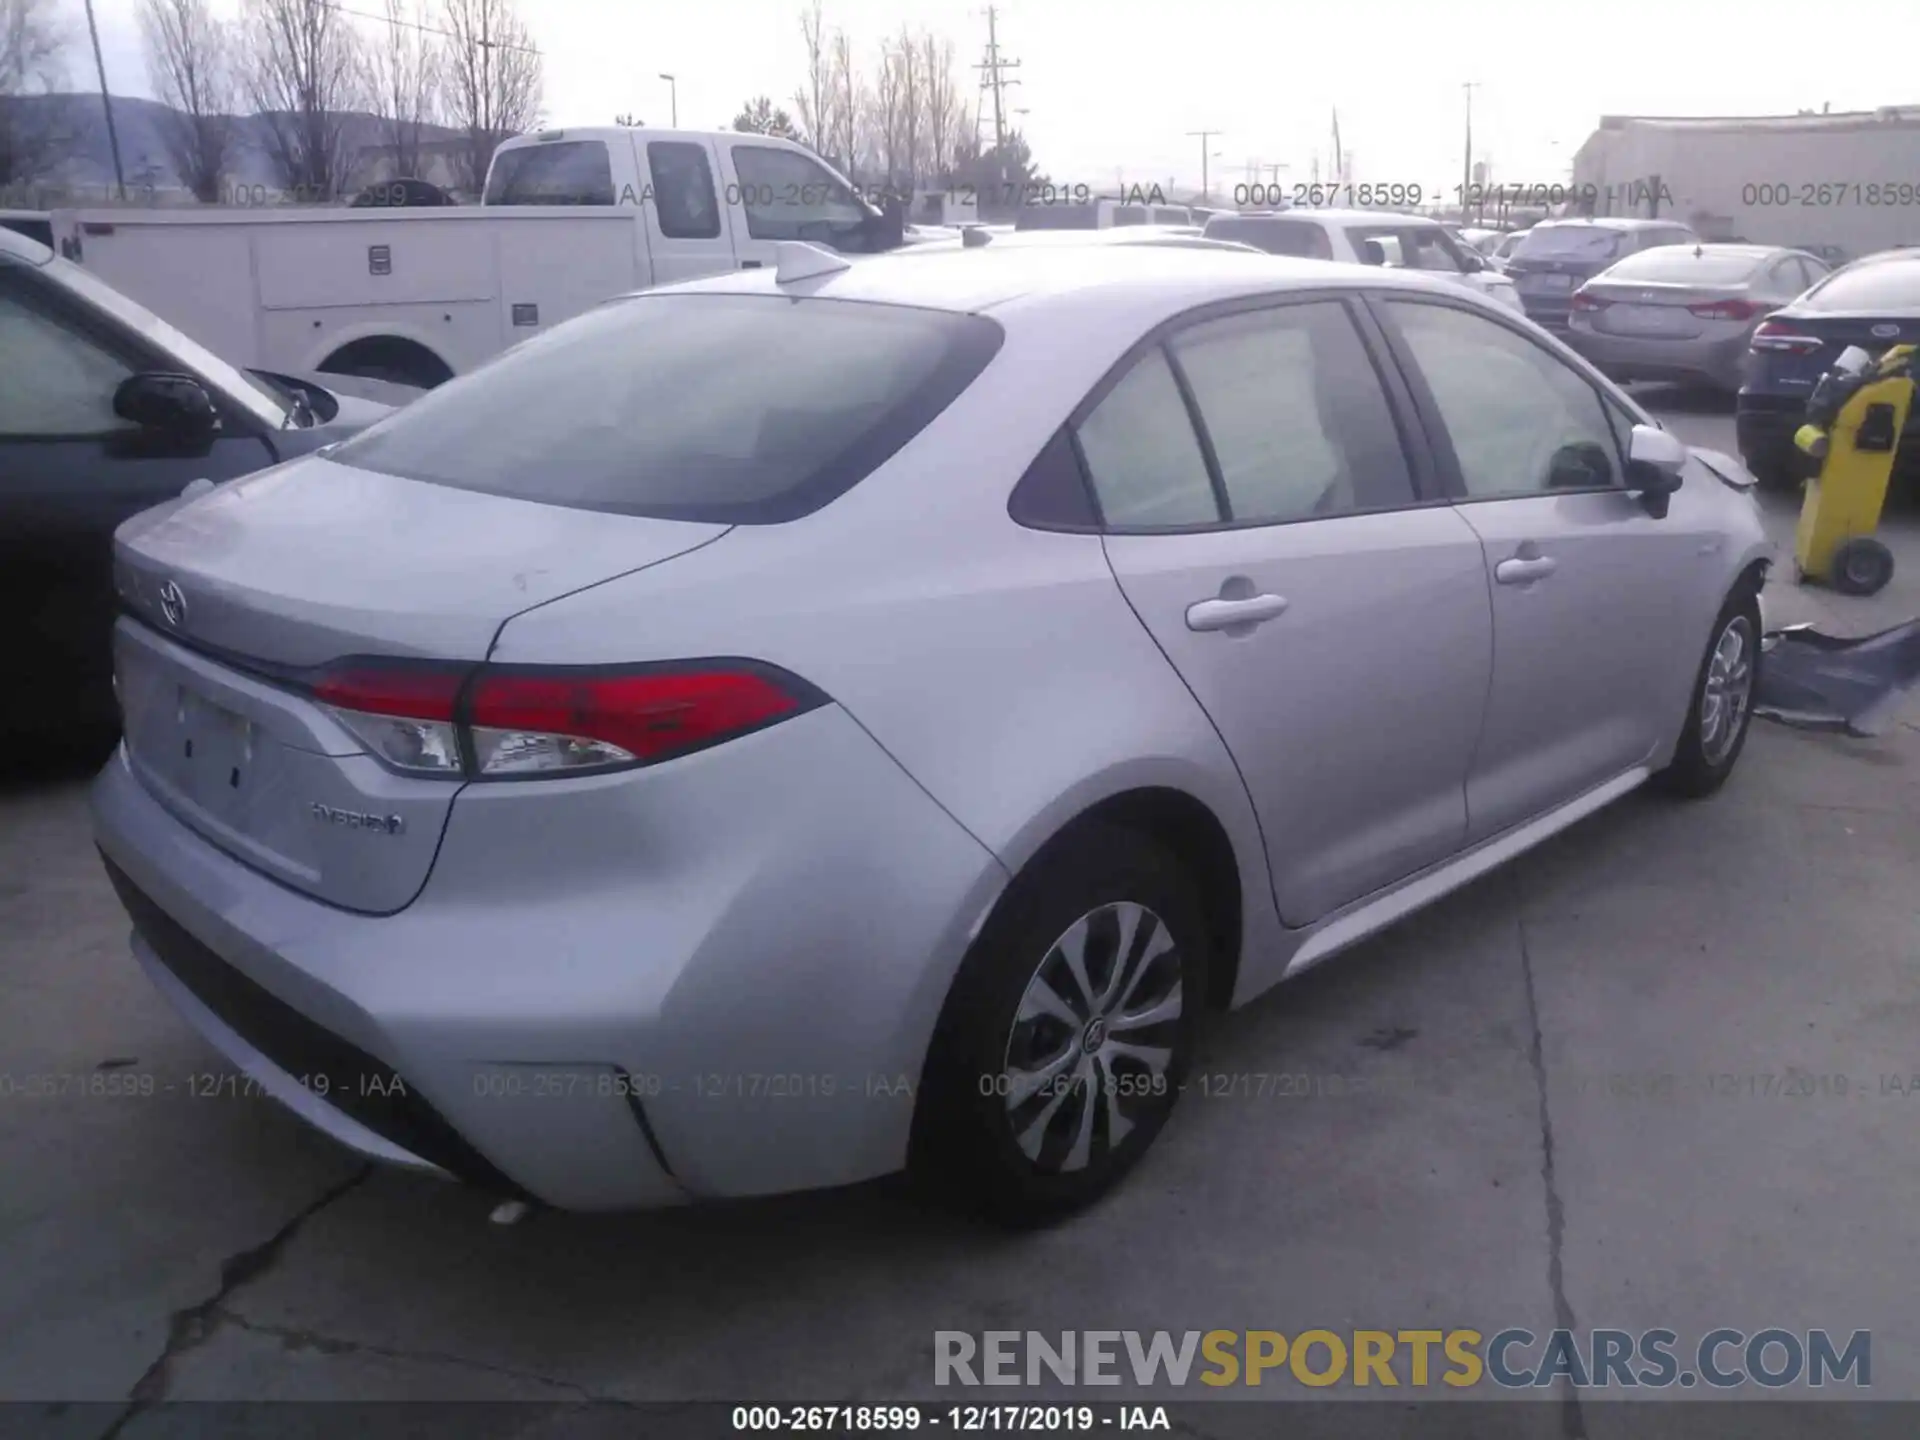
x: 1573, y: 1422
x: 295, y: 1338
x: 193, y: 1326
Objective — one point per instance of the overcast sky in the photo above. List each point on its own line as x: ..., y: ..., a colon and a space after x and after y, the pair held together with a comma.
x: 1113, y: 86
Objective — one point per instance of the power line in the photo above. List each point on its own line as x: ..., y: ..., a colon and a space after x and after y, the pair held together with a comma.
x: 990, y: 77
x: 483, y: 42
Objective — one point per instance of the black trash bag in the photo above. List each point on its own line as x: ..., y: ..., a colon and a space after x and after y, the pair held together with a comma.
x: 1827, y: 682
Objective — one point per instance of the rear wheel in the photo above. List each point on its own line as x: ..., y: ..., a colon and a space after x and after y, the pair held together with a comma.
x: 1068, y: 1033
x: 1722, y: 707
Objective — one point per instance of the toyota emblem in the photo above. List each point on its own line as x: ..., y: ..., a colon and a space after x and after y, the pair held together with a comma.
x: 173, y: 604
x: 1883, y: 332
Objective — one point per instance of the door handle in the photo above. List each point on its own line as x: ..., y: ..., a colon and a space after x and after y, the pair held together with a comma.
x: 1520, y: 571
x: 1232, y: 614
x: 750, y: 264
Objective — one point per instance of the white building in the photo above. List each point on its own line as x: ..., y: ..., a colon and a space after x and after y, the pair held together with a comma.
x: 1849, y: 179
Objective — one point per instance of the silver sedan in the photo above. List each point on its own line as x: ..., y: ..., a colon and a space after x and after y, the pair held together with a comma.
x: 780, y: 728
x: 1685, y: 313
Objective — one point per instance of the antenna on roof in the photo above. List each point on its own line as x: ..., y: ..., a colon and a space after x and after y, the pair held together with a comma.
x: 797, y: 260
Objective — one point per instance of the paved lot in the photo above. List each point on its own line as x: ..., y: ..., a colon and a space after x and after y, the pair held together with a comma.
x: 212, y: 1248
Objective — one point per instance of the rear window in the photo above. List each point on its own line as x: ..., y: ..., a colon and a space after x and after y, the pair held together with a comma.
x: 1884, y: 285
x: 1571, y: 242
x: 1129, y: 214
x: 730, y: 409
x: 1276, y: 237
x: 565, y: 172
x: 1057, y: 217
x: 1679, y: 263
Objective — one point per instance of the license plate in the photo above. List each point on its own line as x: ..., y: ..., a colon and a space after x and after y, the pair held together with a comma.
x: 1546, y: 284
x: 216, y: 747
x: 1649, y: 319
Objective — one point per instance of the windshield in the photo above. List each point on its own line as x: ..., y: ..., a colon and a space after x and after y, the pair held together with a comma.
x: 265, y: 401
x: 1570, y: 242
x: 1886, y: 286
x: 690, y: 407
x: 1682, y: 265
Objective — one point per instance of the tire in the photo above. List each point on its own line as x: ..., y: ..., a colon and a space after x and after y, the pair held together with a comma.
x: 1861, y: 566
x: 968, y: 1131
x: 1707, y: 752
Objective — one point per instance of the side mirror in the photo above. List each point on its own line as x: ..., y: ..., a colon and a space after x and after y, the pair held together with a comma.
x: 1472, y: 263
x: 175, y: 405
x: 1655, y: 462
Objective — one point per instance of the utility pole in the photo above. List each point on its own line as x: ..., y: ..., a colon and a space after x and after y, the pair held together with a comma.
x: 1466, y: 160
x: 1206, y: 137
x: 106, y: 99
x: 991, y: 77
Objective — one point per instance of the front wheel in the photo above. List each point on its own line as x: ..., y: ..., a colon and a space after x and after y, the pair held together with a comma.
x: 1722, y: 707
x: 1069, y: 1031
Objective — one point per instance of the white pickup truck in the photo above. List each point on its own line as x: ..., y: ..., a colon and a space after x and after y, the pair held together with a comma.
x: 568, y: 218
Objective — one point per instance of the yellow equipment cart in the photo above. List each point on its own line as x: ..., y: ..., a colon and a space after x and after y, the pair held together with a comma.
x: 1854, y: 419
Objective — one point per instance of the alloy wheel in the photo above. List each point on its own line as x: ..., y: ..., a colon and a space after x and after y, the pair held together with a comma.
x: 1726, y: 690
x: 1092, y: 1042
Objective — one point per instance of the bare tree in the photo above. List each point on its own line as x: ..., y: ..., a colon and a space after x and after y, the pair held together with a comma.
x: 30, y: 46
x: 190, y: 66
x: 849, y: 104
x: 911, y: 123
x: 493, y: 80
x: 887, y: 101
x: 403, y: 84
x: 303, y: 72
x: 815, y: 98
x: 941, y: 105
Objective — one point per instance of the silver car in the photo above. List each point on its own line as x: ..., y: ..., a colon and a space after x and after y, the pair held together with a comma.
x: 782, y: 728
x: 1686, y: 313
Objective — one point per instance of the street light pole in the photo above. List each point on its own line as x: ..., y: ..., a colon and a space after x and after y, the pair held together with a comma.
x: 673, y: 95
x: 1466, y: 161
x: 106, y: 99
x: 1205, y: 137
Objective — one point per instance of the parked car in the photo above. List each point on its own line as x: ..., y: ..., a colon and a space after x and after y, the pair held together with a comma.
x: 34, y: 224
x: 1180, y: 236
x: 1366, y: 237
x: 1685, y: 313
x: 1503, y: 248
x: 104, y: 411
x: 1097, y: 214
x: 1830, y: 255
x: 1481, y: 241
x: 1557, y: 257
x: 1873, y: 303
x: 418, y: 294
x: 508, y: 788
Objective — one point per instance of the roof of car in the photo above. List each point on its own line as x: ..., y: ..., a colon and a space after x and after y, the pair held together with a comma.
x: 22, y: 247
x: 1161, y: 277
x: 1611, y: 222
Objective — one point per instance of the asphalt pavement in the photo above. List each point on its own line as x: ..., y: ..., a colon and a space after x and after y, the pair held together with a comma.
x: 1503, y: 1151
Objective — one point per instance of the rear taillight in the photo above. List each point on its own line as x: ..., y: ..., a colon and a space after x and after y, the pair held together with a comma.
x: 1781, y: 337
x: 1726, y: 310
x: 1584, y: 302
x: 523, y: 721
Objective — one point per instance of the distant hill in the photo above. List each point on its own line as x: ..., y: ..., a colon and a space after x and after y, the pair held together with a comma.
x: 86, y: 156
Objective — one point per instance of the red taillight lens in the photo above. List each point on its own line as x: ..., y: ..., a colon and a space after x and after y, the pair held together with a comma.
x: 1779, y: 336
x: 544, y: 720
x: 1583, y: 301
x: 510, y: 722
x: 1726, y: 310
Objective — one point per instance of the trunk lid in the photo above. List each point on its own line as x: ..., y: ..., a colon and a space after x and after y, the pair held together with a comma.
x: 1658, y: 310
x: 231, y: 595
x: 1797, y: 372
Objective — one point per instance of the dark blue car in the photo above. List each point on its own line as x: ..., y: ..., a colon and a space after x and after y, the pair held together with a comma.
x: 1873, y: 303
x: 105, y: 411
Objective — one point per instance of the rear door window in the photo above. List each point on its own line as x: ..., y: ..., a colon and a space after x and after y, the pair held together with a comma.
x: 1143, y: 456
x: 730, y: 409
x: 1294, y: 413
x: 562, y: 172
x: 683, y: 195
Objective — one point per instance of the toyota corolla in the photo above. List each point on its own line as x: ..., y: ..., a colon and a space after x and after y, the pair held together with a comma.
x: 776, y: 730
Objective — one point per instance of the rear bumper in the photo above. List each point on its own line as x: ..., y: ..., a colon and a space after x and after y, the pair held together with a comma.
x: 1764, y: 429
x: 665, y: 986
x: 1718, y: 362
